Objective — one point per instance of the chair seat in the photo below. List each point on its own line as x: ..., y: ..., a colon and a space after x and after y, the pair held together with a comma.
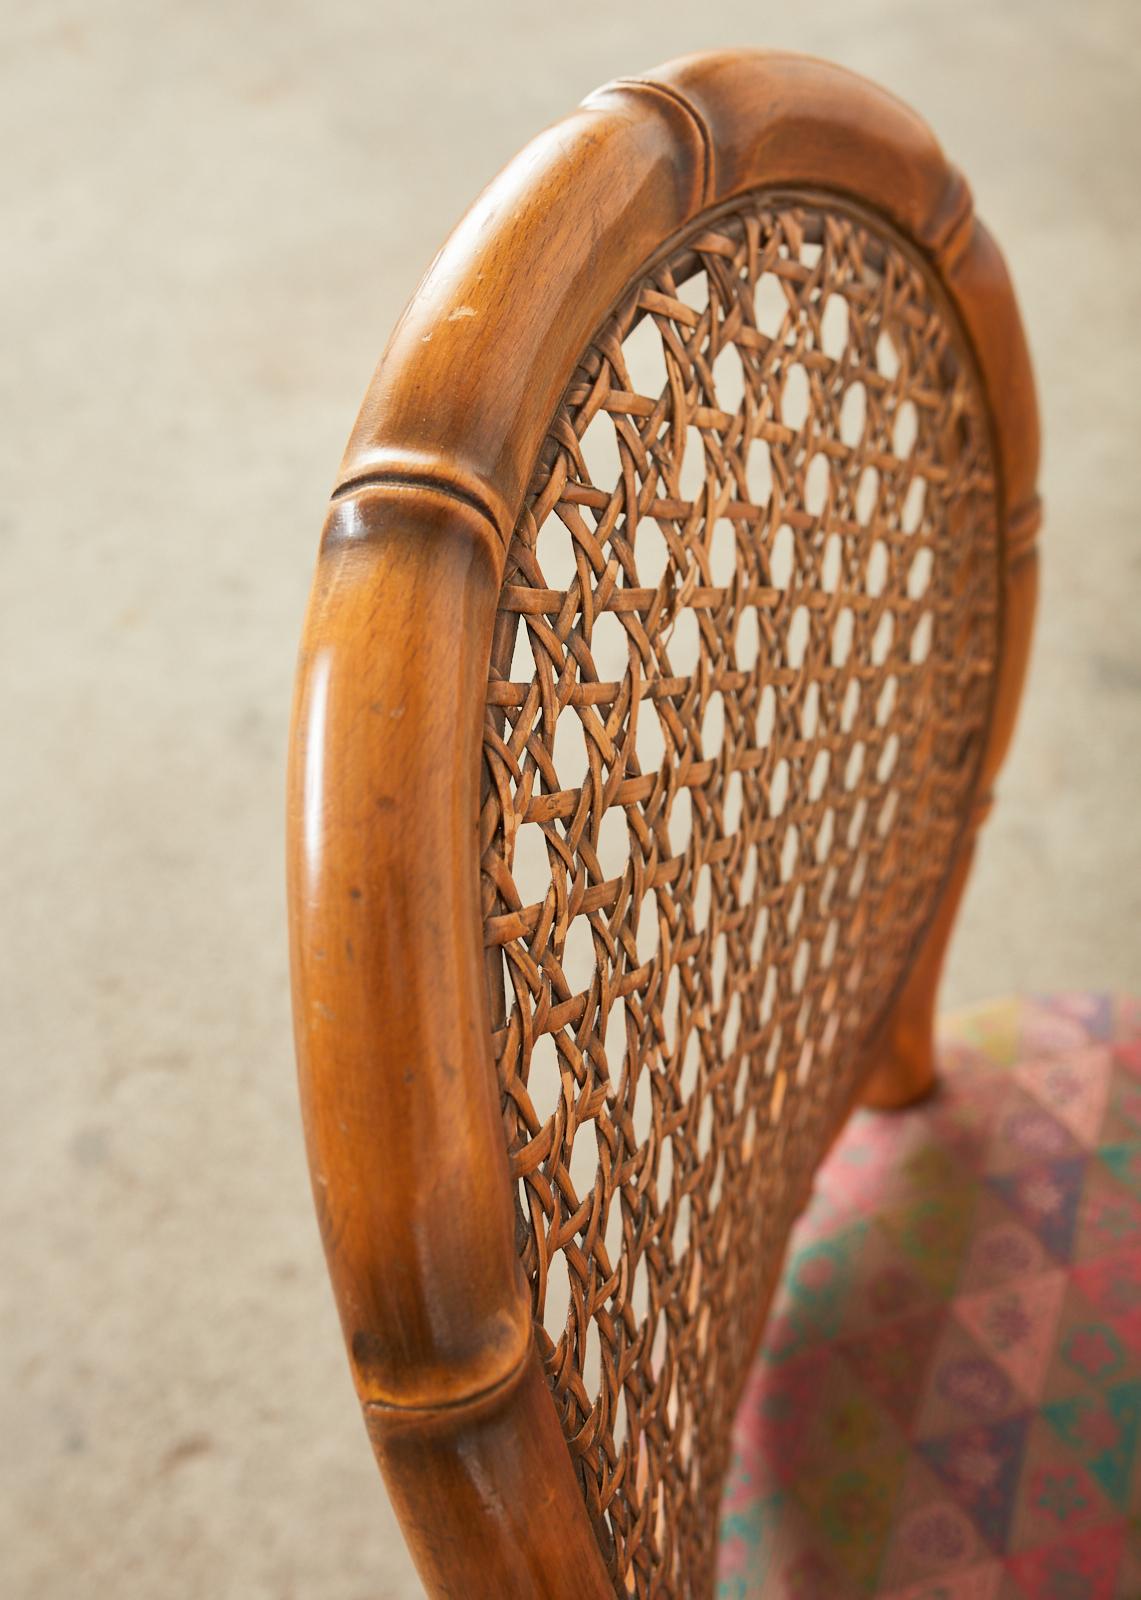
x: 947, y: 1402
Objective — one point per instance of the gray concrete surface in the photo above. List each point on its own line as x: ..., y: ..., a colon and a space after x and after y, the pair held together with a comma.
x: 211, y: 215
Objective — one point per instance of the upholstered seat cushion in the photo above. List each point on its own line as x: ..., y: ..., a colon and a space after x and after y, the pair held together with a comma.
x: 947, y: 1403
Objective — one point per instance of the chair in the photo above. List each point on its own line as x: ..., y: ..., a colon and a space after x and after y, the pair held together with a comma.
x: 668, y: 629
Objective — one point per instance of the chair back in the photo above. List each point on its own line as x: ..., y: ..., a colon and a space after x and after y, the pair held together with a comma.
x: 668, y: 629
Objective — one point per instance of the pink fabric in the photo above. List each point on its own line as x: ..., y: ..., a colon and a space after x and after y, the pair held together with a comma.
x: 947, y: 1404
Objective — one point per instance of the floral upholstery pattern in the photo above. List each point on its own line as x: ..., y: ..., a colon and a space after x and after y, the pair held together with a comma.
x: 947, y: 1401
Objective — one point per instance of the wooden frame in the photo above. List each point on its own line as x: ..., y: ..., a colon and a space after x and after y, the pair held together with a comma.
x: 398, y: 1084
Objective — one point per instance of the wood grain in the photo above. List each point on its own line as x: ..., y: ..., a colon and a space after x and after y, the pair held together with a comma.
x: 397, y: 1074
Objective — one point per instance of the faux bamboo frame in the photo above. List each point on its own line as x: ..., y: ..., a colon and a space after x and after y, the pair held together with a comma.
x: 398, y: 1083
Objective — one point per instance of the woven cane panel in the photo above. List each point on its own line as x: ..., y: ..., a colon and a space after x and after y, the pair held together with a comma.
x: 740, y: 681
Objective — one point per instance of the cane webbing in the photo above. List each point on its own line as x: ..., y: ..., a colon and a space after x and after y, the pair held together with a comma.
x: 740, y: 682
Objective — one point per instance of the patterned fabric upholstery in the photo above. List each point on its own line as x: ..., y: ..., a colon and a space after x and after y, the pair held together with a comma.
x: 947, y: 1403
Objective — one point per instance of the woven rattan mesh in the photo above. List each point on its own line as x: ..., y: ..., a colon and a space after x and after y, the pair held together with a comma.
x: 741, y: 677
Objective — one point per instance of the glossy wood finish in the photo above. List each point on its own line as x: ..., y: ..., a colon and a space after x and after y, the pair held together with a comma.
x: 393, y: 1036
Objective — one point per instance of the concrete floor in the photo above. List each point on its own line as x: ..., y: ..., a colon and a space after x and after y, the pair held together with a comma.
x: 212, y: 215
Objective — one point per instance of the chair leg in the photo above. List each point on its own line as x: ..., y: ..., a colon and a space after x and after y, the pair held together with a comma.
x: 901, y: 1067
